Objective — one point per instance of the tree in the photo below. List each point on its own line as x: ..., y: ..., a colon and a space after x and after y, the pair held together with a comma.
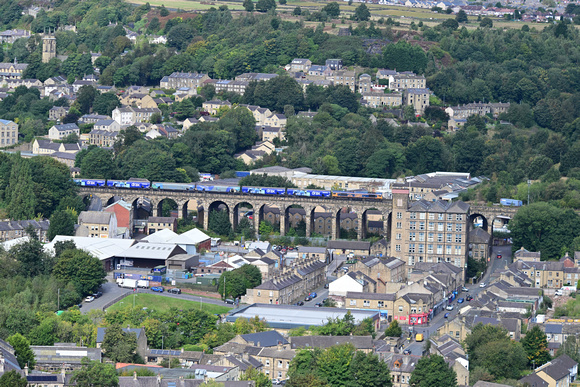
x: 461, y: 17
x: 249, y: 5
x: 259, y: 377
x: 486, y: 23
x: 332, y: 9
x: 31, y: 257
x: 61, y: 223
x: 405, y: 57
x: 82, y: 269
x: 450, y: 24
x: 362, y: 13
x: 22, y: 350
x: 536, y: 346
x: 369, y: 370
x: 163, y: 12
x: 334, y: 364
x: 12, y: 379
x: 394, y: 330
x: 433, y: 371
x: 105, y: 103
x: 297, y: 11
x: 22, y: 198
x: 98, y: 163
x: 219, y: 222
x: 119, y: 346
x: 95, y: 374
x: 86, y: 98
x: 265, y: 5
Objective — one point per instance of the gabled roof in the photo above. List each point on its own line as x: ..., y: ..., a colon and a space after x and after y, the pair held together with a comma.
x: 101, y: 332
x: 359, y: 342
x: 265, y: 339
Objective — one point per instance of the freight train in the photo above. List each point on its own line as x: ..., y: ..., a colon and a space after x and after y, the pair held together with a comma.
x: 142, y: 184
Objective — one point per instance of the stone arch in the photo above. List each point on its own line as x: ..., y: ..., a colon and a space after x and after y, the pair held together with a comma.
x: 474, y: 217
x: 143, y: 207
x: 217, y: 205
x: 243, y: 209
x: 373, y: 222
x: 299, y: 218
x: 349, y: 223
x: 274, y: 213
x: 170, y: 206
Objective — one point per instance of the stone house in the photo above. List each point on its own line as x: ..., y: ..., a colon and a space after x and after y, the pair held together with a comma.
x: 58, y: 132
x: 97, y: 224
x: 377, y: 99
x: 8, y: 133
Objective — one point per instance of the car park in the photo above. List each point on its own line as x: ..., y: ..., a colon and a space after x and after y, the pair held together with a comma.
x: 446, y: 315
x: 89, y: 299
x: 449, y: 307
x: 158, y: 289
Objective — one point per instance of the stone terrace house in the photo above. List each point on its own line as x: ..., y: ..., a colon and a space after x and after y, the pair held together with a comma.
x: 177, y: 80
x: 375, y: 99
x: 365, y: 344
x: 8, y: 132
x: 58, y: 132
x: 291, y: 285
x: 13, y: 229
x: 382, y: 270
x: 96, y: 224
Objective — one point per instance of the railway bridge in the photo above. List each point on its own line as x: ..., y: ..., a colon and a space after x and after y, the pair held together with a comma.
x: 205, y: 202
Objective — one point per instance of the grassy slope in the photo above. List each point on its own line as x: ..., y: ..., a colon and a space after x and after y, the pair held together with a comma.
x: 162, y: 304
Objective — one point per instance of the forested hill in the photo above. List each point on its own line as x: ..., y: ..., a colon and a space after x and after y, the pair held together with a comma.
x: 534, y: 67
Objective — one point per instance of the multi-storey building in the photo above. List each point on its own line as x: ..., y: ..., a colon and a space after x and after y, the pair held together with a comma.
x: 8, y: 133
x: 406, y: 80
x: 379, y: 99
x: 178, y: 80
x: 418, y: 98
x: 423, y: 231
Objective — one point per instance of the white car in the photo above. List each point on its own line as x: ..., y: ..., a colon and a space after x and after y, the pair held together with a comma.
x: 89, y: 299
x: 449, y: 307
x: 482, y: 285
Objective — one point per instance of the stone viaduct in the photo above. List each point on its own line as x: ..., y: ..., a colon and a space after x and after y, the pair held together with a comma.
x: 232, y: 202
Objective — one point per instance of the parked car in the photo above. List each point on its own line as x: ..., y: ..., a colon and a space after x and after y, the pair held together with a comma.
x: 446, y: 315
x: 498, y: 256
x: 229, y: 301
x: 449, y: 307
x: 174, y: 291
x: 158, y: 289
x: 407, y: 352
x: 460, y: 301
x: 300, y: 303
x: 313, y: 295
x: 307, y: 298
x: 482, y: 285
x: 464, y: 289
x: 469, y: 298
x: 318, y: 304
x: 326, y: 286
x: 89, y: 299
x: 97, y: 294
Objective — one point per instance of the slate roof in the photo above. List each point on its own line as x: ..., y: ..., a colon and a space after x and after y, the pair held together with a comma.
x: 265, y: 339
x: 101, y: 332
x: 95, y: 217
x: 372, y: 296
x: 348, y: 245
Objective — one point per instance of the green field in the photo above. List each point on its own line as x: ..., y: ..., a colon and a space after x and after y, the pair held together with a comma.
x: 163, y: 304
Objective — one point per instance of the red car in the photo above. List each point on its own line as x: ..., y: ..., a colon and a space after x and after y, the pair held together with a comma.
x: 498, y: 256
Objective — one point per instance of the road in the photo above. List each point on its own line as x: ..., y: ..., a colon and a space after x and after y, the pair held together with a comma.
x: 474, y: 290
x: 111, y: 291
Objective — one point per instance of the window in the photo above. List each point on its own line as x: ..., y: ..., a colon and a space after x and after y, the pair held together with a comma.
x: 449, y: 236
x: 440, y: 226
x: 381, y: 304
x: 458, y: 238
x: 398, y: 236
x: 421, y: 248
x: 457, y: 250
x: 421, y: 225
x: 353, y: 302
x: 399, y: 225
x: 411, y: 260
x: 439, y: 237
x: 259, y: 293
x: 400, y: 308
x: 449, y: 216
x: 449, y: 226
x: 399, y: 215
x: 366, y: 303
x: 411, y: 247
x: 448, y: 250
x: 440, y: 217
x: 421, y: 237
x: 280, y: 364
x: 412, y: 225
x: 271, y: 293
x: 431, y: 216
x: 430, y: 237
x: 431, y: 225
x: 280, y: 372
x: 267, y: 363
x: 439, y: 249
x: 459, y: 217
x: 412, y: 236
x: 422, y: 215
x: 413, y: 215
x: 397, y: 247
x: 430, y: 249
x: 458, y: 227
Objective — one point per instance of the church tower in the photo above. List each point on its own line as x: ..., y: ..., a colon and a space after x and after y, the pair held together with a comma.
x: 48, y: 47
